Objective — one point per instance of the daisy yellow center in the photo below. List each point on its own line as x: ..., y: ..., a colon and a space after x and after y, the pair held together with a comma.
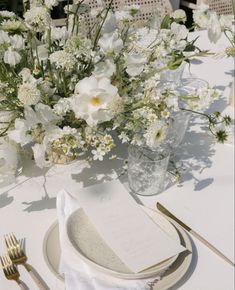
x: 95, y: 101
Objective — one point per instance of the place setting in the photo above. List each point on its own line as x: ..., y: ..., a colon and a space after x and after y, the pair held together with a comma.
x: 74, y: 246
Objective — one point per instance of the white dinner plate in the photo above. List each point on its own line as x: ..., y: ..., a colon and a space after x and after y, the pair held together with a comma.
x: 173, y: 274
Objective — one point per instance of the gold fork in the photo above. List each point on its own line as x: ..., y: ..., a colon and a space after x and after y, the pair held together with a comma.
x: 18, y: 257
x: 10, y: 270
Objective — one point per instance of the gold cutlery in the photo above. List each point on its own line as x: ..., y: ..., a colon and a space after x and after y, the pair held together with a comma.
x: 163, y: 210
x: 10, y: 270
x: 18, y: 257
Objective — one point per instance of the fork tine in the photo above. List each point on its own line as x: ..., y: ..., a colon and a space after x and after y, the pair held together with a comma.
x: 14, y: 239
x: 10, y: 247
x: 6, y: 241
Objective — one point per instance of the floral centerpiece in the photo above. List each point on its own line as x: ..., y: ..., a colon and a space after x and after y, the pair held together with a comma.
x: 65, y: 90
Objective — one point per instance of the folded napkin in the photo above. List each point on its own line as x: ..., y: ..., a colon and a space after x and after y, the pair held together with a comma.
x: 79, y: 275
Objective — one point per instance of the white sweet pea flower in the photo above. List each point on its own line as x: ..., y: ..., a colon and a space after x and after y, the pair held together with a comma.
x: 4, y: 37
x: 110, y: 42
x: 17, y: 42
x: 179, y: 14
x: 12, y: 57
x: 214, y: 28
x: 104, y: 69
x: 42, y: 114
x: 180, y: 31
x: 92, y: 98
x: 27, y: 76
x: 135, y: 64
x: 39, y: 152
x: 42, y: 52
x: 110, y: 24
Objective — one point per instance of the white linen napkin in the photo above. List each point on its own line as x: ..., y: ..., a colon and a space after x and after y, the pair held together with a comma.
x: 78, y: 275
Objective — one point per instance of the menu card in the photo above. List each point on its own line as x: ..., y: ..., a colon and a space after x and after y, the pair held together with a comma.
x: 125, y: 227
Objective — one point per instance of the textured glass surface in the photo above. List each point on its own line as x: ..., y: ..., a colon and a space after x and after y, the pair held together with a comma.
x: 146, y: 170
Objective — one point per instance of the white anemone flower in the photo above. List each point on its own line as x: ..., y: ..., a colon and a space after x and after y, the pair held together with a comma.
x: 92, y: 99
x: 12, y: 57
x: 214, y: 28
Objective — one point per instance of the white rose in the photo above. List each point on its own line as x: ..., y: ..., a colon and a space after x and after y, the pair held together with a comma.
x: 12, y: 57
x: 179, y: 31
x: 179, y: 14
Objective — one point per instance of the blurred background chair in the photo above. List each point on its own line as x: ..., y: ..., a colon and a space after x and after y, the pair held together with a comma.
x: 221, y: 7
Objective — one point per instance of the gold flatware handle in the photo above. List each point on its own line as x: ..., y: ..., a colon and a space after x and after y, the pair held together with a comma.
x: 21, y: 285
x: 163, y: 210
x: 41, y: 285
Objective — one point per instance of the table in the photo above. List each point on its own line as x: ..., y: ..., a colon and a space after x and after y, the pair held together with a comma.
x: 28, y: 207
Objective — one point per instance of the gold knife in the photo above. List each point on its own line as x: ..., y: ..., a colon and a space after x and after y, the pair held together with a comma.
x: 163, y: 210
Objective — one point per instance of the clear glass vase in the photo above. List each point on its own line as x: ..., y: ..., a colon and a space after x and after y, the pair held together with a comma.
x: 173, y: 75
x: 10, y: 162
x: 147, y: 170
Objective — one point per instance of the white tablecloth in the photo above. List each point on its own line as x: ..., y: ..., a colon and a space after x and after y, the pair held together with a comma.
x: 27, y: 208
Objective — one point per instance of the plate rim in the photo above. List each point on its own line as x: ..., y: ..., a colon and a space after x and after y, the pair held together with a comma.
x: 44, y: 250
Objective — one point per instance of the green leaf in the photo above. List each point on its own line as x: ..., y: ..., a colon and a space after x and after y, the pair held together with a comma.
x: 175, y: 63
x: 166, y: 22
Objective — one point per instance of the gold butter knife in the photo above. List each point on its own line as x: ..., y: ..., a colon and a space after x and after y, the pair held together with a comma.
x: 163, y: 210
